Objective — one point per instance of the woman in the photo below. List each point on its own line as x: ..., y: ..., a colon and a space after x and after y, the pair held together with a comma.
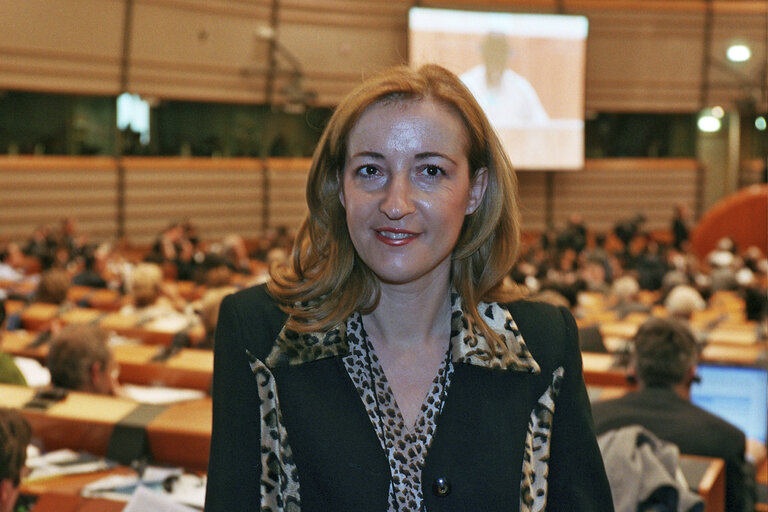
x: 385, y: 370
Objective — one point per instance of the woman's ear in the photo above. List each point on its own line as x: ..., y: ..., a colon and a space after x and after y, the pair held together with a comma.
x: 477, y: 190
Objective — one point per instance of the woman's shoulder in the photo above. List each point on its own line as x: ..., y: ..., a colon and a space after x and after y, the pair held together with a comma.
x: 544, y: 327
x: 254, y: 301
x: 256, y: 314
x: 529, y: 310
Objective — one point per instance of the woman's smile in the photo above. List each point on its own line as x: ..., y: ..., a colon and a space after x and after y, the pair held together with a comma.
x: 394, y: 236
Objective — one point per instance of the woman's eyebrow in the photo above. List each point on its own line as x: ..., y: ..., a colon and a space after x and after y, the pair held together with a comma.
x: 434, y: 154
x: 368, y: 154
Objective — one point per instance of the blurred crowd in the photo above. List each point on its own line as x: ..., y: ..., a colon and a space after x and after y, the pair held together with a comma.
x: 558, y: 264
x: 629, y: 259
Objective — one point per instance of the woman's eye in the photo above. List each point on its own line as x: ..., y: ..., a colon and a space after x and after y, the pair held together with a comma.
x: 367, y: 170
x: 433, y: 171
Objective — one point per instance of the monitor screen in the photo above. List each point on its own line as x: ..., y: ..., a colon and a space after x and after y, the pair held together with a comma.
x: 526, y: 71
x: 738, y: 394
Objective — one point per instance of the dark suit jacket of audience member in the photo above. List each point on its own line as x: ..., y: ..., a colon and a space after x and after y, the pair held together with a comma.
x: 694, y: 430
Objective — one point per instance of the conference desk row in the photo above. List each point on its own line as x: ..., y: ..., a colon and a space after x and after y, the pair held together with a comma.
x: 148, y: 365
x: 178, y: 434
x: 38, y: 316
x: 106, y: 299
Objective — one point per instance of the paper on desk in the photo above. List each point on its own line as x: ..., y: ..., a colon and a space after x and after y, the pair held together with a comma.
x: 160, y: 394
x: 64, y: 462
x: 144, y: 499
x: 187, y: 488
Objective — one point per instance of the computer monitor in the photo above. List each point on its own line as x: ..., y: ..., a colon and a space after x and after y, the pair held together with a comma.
x: 737, y: 393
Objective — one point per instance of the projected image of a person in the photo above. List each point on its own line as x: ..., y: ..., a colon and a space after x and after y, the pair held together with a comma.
x: 507, y: 98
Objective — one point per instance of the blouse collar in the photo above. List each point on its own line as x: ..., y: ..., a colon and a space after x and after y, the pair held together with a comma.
x: 468, y: 345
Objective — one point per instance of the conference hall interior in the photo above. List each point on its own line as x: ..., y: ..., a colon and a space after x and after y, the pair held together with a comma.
x: 154, y: 157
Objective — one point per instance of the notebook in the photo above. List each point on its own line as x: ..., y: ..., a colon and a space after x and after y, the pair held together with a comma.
x: 736, y: 393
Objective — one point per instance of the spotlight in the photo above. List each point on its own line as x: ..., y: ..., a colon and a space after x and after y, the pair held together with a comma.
x: 738, y: 53
x: 709, y: 121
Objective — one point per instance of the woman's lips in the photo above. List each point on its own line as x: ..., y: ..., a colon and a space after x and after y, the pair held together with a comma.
x: 396, y: 237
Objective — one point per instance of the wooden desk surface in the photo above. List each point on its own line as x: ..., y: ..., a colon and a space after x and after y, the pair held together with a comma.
x: 188, y: 368
x: 99, y: 298
x: 731, y: 353
x: 70, y: 484
x: 56, y: 502
x: 38, y: 316
x: 711, y: 485
x: 179, y: 434
x: 600, y: 370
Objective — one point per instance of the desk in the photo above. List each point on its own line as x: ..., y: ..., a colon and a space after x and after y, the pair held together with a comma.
x: 177, y: 434
x: 600, y: 370
x: 710, y: 475
x: 99, y: 298
x: 55, y: 502
x: 70, y: 484
x: 181, y: 435
x: 38, y: 316
x: 188, y: 368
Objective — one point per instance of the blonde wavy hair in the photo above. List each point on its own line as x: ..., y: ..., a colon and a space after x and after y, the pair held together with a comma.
x: 326, y: 280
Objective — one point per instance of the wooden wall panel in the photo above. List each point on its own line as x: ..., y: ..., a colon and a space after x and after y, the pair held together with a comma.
x: 61, y: 45
x: 196, y: 49
x: 222, y: 196
x: 287, y: 191
x: 610, y: 190
x: 217, y: 196
x: 642, y: 56
x: 39, y: 191
x: 531, y: 194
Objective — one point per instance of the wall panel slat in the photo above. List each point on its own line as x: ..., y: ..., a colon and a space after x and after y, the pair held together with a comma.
x: 224, y: 196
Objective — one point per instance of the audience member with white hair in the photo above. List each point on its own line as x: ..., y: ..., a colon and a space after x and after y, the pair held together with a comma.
x: 683, y: 301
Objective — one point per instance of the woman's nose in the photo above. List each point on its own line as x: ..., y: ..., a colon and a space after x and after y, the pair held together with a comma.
x: 397, y: 201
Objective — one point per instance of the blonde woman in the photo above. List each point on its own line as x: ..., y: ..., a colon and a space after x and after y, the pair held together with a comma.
x: 387, y: 368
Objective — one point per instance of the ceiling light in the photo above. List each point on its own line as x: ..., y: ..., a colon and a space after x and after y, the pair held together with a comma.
x: 709, y: 123
x: 738, y: 53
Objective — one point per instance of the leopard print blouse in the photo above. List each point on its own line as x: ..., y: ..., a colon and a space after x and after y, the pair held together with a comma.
x: 406, y: 449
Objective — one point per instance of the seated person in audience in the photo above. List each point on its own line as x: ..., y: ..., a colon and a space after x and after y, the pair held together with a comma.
x: 683, y: 301
x: 15, y: 435
x: 209, y: 313
x: 80, y: 360
x: 53, y: 287
x: 9, y: 372
x: 150, y: 295
x: 91, y: 274
x: 624, y: 297
x: 11, y: 263
x: 663, y: 362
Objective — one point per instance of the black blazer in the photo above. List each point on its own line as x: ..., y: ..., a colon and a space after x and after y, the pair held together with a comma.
x: 477, y: 448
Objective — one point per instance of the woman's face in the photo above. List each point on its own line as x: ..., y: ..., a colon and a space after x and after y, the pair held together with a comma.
x: 406, y: 189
